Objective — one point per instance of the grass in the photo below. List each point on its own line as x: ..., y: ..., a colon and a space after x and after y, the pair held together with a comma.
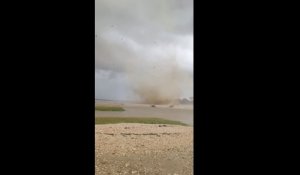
x: 109, y: 108
x: 113, y: 120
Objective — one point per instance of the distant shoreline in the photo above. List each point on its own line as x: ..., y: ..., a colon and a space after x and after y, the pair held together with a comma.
x: 181, y: 102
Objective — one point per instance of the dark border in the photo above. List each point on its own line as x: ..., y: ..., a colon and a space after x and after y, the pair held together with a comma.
x: 49, y: 103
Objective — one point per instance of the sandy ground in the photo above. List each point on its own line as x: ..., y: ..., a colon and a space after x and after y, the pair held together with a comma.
x: 144, y: 149
x: 183, y: 113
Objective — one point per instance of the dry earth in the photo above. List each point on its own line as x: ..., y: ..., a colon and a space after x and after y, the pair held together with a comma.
x: 143, y: 149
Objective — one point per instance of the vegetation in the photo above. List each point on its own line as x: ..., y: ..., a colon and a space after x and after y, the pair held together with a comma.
x: 109, y: 108
x: 112, y: 120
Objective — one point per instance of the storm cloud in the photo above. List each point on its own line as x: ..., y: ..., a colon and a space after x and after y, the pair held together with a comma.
x: 144, y: 49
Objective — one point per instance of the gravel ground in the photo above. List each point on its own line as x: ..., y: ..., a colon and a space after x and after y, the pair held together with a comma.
x: 144, y: 149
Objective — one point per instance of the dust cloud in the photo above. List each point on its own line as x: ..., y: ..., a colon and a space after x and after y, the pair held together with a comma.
x: 158, y: 82
x: 144, y: 50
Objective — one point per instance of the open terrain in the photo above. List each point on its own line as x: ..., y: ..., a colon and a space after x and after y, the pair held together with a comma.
x: 144, y: 149
x: 143, y: 140
x: 182, y: 113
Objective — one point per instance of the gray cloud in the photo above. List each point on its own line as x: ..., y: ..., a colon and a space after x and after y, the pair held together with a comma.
x: 142, y: 39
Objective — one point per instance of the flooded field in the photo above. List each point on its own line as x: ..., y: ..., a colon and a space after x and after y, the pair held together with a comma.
x: 183, y: 113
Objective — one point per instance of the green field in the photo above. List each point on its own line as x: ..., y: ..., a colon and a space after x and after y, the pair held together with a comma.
x: 112, y: 120
x: 109, y: 108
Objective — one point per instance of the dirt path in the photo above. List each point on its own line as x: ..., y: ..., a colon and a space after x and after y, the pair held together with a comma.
x: 144, y: 149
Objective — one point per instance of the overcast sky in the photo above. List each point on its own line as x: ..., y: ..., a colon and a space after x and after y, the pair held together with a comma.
x: 139, y: 43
